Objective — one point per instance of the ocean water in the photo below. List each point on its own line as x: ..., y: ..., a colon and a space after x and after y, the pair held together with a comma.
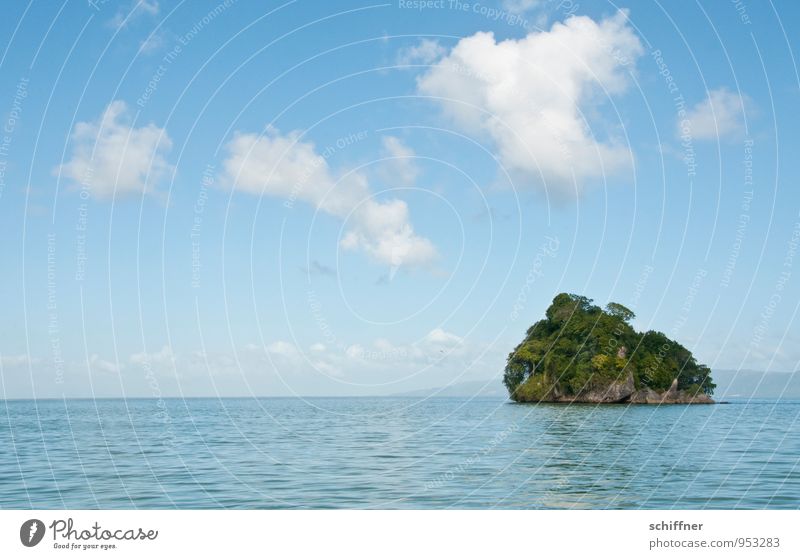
x: 396, y: 453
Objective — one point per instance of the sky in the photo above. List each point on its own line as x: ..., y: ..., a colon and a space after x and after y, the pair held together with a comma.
x: 354, y: 198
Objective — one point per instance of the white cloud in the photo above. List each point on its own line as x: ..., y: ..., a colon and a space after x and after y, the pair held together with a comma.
x: 18, y: 360
x: 439, y: 337
x: 369, y: 355
x: 383, y: 231
x: 327, y: 369
x: 355, y: 351
x: 153, y: 42
x: 286, y: 167
x: 382, y: 366
x: 137, y: 9
x: 718, y: 115
x: 111, y: 156
x: 371, y: 359
x: 96, y: 363
x: 532, y: 95
x: 278, y: 368
x: 282, y: 349
x: 288, y: 359
x: 400, y: 166
x: 426, y: 51
x: 437, y: 352
x: 164, y: 356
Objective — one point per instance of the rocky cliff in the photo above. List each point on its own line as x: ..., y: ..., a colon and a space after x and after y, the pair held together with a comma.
x: 621, y: 392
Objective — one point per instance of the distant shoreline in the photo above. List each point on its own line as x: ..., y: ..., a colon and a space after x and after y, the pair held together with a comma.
x: 732, y: 400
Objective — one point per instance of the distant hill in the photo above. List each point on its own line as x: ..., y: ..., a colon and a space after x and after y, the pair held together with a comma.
x: 756, y: 384
x: 746, y: 384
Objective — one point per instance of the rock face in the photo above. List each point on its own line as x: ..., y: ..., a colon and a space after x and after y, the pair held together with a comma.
x: 675, y: 396
x: 614, y: 392
x: 624, y: 392
x: 646, y: 396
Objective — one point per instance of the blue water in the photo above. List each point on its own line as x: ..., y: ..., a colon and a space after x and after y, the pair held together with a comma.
x: 395, y: 453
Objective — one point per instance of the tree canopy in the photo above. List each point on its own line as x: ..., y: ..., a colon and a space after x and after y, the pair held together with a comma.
x: 580, y: 346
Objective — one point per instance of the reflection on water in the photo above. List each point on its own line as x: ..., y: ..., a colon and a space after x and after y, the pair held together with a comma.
x: 396, y: 453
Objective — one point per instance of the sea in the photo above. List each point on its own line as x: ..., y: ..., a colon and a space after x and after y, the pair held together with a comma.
x: 396, y: 453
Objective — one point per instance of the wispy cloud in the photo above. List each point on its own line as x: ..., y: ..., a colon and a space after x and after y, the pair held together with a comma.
x: 720, y: 115
x: 98, y: 364
x: 400, y: 168
x: 162, y: 357
x: 426, y: 51
x: 128, y: 13
x: 19, y: 360
x: 153, y: 42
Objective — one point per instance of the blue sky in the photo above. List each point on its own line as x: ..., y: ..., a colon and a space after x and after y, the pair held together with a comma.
x: 323, y: 198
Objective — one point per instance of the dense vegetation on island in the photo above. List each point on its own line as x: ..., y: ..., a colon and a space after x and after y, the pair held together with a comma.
x: 582, y: 353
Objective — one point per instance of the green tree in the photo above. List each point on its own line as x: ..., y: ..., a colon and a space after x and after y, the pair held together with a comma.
x: 620, y: 311
x: 579, y: 345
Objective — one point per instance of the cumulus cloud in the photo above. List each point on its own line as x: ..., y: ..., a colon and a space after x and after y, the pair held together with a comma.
x: 400, y: 166
x: 111, y: 156
x: 719, y: 115
x: 284, y: 166
x: 384, y: 232
x: 441, y: 338
x: 532, y: 95
x: 424, y: 52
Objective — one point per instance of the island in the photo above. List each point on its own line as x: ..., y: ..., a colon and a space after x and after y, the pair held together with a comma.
x: 581, y: 353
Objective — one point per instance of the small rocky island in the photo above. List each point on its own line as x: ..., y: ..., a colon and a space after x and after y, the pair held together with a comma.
x: 582, y: 353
